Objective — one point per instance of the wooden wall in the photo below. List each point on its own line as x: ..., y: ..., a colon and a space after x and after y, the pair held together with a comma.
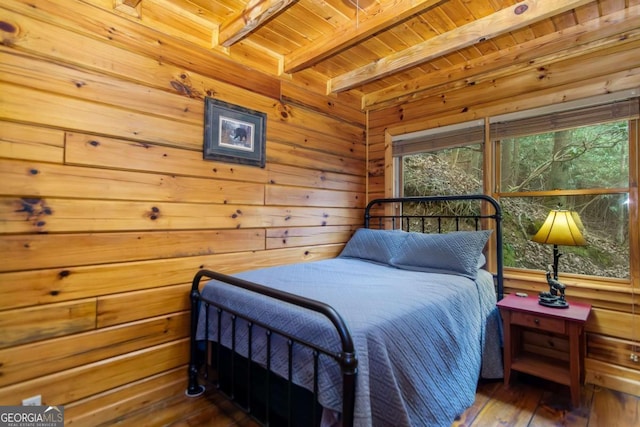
x: 614, y: 321
x: 107, y: 208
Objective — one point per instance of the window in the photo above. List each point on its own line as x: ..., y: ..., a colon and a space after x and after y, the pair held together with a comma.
x: 450, y: 157
x: 577, y: 160
x: 457, y: 169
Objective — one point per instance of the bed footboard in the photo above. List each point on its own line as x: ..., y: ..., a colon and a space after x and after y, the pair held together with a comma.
x: 345, y: 358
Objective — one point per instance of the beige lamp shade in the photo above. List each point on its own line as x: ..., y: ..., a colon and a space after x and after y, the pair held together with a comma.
x: 561, y: 228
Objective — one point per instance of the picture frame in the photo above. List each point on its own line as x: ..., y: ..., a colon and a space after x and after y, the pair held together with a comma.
x: 234, y: 134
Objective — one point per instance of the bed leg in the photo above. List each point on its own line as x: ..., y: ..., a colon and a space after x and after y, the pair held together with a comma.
x: 194, y: 389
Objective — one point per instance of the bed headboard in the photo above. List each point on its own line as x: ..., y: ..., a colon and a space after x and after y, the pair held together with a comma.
x: 442, y: 214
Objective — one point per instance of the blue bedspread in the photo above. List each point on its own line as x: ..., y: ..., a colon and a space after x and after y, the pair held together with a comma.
x: 421, y: 338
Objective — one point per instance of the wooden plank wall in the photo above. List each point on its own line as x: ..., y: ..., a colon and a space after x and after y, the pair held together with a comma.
x: 107, y: 208
x: 614, y: 321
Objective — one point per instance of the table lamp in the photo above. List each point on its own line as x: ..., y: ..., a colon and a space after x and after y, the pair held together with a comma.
x: 562, y: 227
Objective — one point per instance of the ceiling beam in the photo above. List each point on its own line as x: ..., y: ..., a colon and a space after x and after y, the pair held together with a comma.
x: 375, y: 19
x: 508, y: 19
x: 129, y: 7
x: 596, y: 34
x: 184, y: 10
x: 242, y: 23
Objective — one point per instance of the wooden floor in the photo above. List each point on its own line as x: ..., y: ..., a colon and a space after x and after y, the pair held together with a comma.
x: 527, y: 402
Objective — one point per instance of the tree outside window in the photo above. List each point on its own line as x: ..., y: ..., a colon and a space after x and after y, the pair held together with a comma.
x: 585, y: 170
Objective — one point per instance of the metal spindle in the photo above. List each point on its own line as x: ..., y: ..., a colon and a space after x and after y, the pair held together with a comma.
x: 218, y: 345
x: 249, y: 359
x: 268, y: 378
x: 314, y: 410
x: 206, y: 337
x: 290, y: 380
x: 233, y: 357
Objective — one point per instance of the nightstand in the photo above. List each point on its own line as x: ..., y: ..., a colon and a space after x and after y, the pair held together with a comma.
x: 524, y: 313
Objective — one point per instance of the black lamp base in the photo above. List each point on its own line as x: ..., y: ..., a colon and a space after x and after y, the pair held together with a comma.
x: 553, y: 302
x: 556, y: 258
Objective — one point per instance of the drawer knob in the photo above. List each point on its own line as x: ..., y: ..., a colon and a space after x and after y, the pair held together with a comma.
x: 536, y: 321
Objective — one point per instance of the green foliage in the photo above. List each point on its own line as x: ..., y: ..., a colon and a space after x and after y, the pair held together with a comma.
x: 509, y: 255
x: 586, y: 157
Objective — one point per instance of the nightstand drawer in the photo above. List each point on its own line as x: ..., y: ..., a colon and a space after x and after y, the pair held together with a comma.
x: 538, y: 322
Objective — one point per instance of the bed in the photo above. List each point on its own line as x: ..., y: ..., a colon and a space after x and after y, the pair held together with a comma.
x: 396, y: 330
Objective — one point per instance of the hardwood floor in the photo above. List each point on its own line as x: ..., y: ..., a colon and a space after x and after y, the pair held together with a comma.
x: 528, y: 402
x: 532, y: 402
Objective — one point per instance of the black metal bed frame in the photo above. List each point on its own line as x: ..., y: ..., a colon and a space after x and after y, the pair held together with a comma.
x: 346, y: 356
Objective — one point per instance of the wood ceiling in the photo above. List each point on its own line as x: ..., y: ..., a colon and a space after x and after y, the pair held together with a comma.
x: 387, y: 52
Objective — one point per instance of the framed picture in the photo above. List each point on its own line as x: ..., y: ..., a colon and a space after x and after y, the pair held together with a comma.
x: 233, y: 134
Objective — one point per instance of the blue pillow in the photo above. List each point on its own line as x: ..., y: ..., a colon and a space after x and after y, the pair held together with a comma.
x: 457, y: 253
x: 373, y: 245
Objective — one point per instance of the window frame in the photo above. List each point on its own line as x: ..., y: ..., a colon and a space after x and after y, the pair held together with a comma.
x: 491, y: 179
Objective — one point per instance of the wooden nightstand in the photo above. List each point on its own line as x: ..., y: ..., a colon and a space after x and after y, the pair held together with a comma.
x: 521, y: 313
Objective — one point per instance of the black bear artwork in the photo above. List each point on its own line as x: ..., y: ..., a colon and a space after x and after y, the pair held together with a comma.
x: 234, y: 134
x: 239, y: 134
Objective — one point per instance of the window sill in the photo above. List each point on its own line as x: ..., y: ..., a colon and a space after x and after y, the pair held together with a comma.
x: 515, y: 277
